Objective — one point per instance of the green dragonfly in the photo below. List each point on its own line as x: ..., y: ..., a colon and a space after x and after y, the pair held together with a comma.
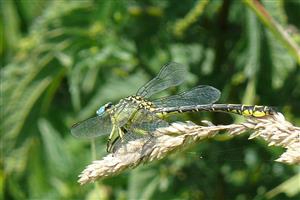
x: 137, y: 115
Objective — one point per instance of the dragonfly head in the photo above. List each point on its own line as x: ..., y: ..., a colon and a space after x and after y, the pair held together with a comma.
x: 104, y: 108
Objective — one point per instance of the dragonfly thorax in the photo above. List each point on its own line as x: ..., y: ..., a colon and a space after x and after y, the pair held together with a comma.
x: 141, y: 102
x: 104, y: 108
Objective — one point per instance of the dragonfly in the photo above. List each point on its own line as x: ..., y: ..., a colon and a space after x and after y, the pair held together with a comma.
x: 138, y: 115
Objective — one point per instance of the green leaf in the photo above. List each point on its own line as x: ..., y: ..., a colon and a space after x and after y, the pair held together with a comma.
x: 57, y: 154
x: 24, y: 105
x: 142, y: 184
x: 290, y: 187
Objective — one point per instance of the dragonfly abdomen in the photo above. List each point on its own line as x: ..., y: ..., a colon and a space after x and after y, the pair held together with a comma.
x: 245, y: 110
x: 241, y: 109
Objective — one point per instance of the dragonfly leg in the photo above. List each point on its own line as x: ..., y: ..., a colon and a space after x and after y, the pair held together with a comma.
x: 111, y: 139
x: 121, y: 133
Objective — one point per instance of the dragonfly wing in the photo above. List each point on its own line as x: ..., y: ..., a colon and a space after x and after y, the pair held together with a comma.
x: 93, y: 127
x: 129, y: 136
x: 146, y: 122
x: 202, y: 94
x: 123, y: 112
x: 171, y: 74
x: 142, y: 125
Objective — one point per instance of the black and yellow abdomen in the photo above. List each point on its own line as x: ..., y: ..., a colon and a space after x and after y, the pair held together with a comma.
x: 241, y: 109
x: 245, y: 110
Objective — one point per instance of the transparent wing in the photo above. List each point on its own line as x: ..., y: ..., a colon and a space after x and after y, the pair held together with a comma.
x: 171, y: 74
x: 146, y: 122
x: 142, y: 125
x: 130, y: 136
x: 123, y: 112
x: 93, y: 127
x: 202, y: 94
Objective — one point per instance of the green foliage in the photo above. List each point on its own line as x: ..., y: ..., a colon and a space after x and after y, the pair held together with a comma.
x: 62, y: 59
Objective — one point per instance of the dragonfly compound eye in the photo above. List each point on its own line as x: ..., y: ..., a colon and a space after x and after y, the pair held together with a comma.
x: 104, y: 108
x: 108, y: 106
x: 101, y: 110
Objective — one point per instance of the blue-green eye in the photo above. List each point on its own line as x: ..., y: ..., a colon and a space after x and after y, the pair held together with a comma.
x: 101, y: 110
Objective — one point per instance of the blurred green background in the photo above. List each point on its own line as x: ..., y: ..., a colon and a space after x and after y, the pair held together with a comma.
x: 61, y: 60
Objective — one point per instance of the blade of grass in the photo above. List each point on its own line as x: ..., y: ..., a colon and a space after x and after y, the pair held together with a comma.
x: 274, y: 27
x: 182, y: 25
